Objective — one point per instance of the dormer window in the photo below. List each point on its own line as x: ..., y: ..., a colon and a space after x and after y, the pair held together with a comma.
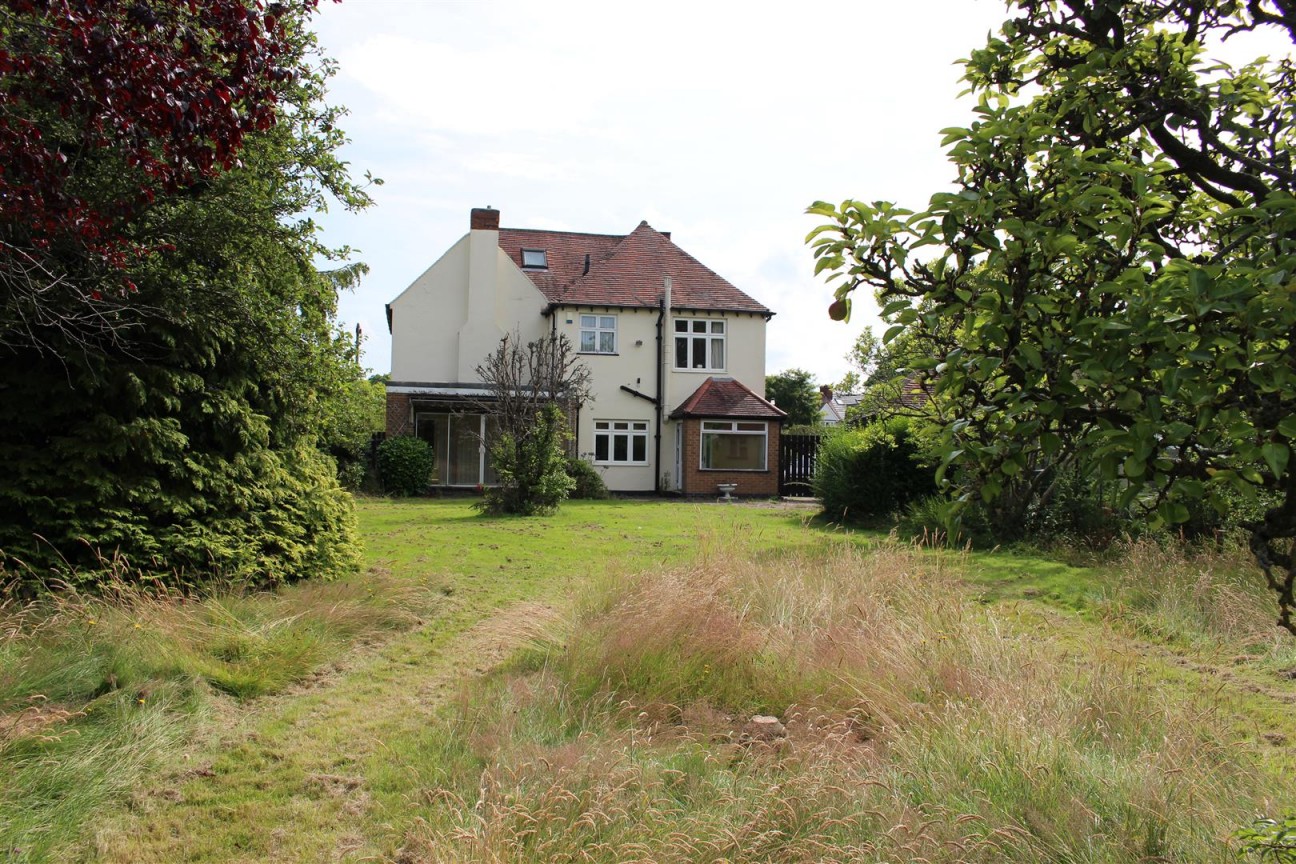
x: 534, y: 259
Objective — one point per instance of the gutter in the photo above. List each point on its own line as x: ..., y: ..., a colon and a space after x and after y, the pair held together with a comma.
x: 661, y: 383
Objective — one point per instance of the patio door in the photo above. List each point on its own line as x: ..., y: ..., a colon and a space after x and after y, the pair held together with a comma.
x: 461, y: 443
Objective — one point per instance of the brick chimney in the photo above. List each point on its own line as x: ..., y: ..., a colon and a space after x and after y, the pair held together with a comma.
x: 484, y: 219
x: 825, y: 394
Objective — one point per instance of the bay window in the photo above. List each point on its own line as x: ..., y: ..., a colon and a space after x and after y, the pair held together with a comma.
x: 734, y: 445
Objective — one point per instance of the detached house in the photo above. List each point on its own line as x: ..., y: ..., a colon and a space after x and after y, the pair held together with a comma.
x: 676, y: 356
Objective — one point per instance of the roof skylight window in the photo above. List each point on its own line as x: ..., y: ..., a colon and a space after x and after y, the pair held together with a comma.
x: 534, y: 258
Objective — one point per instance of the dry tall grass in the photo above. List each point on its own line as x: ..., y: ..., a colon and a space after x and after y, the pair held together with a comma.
x: 919, y: 726
x: 1210, y: 596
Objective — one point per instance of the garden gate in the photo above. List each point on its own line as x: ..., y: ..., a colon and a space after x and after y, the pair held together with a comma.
x: 797, y: 459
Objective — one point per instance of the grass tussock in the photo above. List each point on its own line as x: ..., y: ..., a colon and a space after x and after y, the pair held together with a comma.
x: 919, y: 725
x: 95, y: 691
x: 1204, y: 596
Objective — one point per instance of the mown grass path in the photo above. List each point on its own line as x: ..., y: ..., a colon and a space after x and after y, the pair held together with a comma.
x: 306, y: 775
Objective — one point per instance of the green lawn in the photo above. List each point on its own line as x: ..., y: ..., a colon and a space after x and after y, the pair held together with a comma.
x: 359, y: 720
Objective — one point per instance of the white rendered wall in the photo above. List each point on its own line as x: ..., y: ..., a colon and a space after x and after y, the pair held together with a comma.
x: 634, y: 366
x: 451, y: 317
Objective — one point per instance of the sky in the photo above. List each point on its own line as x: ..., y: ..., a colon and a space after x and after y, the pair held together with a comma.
x: 717, y: 121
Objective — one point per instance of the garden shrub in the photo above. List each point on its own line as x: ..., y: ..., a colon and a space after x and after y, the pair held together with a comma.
x: 405, y: 465
x: 531, y: 468
x: 589, y: 483
x: 873, y: 470
x: 1074, y: 506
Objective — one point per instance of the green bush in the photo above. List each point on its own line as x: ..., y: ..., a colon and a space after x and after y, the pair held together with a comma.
x: 166, y: 479
x: 531, y: 469
x: 1074, y: 506
x: 589, y: 483
x: 872, y: 471
x: 405, y: 465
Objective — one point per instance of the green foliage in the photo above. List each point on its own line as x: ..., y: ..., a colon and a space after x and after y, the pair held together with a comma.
x: 405, y: 465
x: 807, y: 429
x: 1271, y: 840
x: 532, y: 468
x: 588, y: 481
x: 1110, y: 281
x: 1075, y: 506
x: 531, y: 385
x: 794, y: 391
x: 872, y: 471
x: 184, y: 446
x: 351, y: 418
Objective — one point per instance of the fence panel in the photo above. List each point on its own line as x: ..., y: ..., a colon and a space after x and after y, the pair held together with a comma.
x: 797, y: 459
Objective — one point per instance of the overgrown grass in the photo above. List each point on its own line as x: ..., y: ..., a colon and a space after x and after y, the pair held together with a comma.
x: 73, y: 671
x: 957, y: 707
x: 1204, y: 596
x: 95, y: 692
x: 920, y: 725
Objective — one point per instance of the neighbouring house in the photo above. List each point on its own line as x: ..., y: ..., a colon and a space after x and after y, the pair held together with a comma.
x: 834, y: 406
x: 676, y: 356
x: 910, y: 395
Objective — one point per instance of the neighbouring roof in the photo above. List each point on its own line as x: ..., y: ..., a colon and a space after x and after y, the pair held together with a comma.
x: 623, y: 271
x: 726, y: 397
x: 833, y: 408
x: 915, y: 392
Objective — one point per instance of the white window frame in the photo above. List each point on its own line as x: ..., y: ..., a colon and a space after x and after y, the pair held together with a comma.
x: 713, y: 331
x: 629, y: 430
x: 730, y: 428
x: 599, y: 328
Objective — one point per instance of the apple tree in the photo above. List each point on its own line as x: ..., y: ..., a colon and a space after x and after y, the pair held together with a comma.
x: 1111, y: 282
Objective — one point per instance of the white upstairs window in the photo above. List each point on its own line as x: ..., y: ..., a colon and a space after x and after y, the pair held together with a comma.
x: 700, y: 344
x: 598, y: 334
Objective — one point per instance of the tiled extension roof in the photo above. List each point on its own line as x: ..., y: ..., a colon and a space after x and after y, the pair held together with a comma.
x: 725, y: 397
x: 623, y: 271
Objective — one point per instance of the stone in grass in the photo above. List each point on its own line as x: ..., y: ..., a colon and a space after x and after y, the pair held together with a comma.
x: 764, y: 728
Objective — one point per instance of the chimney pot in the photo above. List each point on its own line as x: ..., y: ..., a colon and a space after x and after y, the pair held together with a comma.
x: 484, y: 219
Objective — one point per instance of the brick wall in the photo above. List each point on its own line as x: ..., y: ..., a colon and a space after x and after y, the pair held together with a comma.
x: 697, y: 481
x: 400, y: 420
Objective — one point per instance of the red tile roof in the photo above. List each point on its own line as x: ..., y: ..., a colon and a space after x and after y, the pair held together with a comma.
x: 623, y: 271
x: 725, y: 397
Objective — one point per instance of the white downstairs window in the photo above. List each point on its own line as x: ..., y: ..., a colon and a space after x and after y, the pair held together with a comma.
x: 734, y: 445
x: 620, y: 442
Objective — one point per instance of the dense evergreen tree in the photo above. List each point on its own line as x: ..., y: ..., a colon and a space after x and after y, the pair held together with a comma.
x: 163, y: 407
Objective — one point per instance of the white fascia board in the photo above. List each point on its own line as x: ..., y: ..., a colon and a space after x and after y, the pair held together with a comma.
x: 414, y: 390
